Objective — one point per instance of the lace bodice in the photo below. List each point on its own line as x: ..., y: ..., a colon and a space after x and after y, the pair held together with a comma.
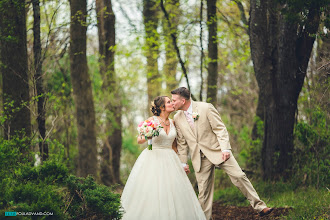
x: 164, y: 140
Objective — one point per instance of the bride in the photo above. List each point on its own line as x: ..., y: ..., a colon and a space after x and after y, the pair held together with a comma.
x: 158, y: 187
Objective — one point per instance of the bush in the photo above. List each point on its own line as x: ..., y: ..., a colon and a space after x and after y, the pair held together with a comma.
x: 31, y: 197
x: 311, y: 155
x: 30, y: 189
x: 92, y: 200
x: 50, y: 188
x: 254, y: 159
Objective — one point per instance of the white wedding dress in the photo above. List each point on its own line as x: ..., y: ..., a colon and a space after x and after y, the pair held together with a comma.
x: 158, y: 188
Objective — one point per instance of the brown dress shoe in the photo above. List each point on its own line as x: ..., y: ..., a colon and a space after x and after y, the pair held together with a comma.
x: 265, y: 211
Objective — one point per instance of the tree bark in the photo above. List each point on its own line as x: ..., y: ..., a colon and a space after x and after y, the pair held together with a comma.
x: 150, y: 20
x: 111, y: 151
x: 212, y: 79
x: 14, y: 68
x: 82, y: 91
x: 41, y: 118
x: 280, y: 56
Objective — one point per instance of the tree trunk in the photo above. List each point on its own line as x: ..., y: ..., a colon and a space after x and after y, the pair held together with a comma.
x: 111, y: 151
x: 41, y: 118
x: 202, y: 49
x: 212, y: 78
x: 82, y: 91
x: 14, y: 68
x: 170, y: 66
x: 150, y: 20
x: 280, y: 58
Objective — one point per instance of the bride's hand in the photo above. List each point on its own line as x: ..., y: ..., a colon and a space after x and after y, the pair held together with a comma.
x: 186, y: 169
x: 141, y: 139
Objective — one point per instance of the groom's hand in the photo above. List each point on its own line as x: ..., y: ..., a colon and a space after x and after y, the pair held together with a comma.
x: 225, y: 155
x: 186, y: 169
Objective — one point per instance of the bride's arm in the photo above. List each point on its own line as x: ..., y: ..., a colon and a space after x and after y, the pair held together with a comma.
x: 140, y: 138
x: 175, y: 146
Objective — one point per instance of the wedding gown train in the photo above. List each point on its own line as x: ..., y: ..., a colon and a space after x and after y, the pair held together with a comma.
x: 157, y: 187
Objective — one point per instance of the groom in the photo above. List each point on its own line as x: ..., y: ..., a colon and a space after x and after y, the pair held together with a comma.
x: 201, y: 130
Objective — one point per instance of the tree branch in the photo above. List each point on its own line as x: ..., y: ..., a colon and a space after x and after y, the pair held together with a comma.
x: 225, y: 19
x: 174, y: 39
x: 130, y: 22
x: 305, y: 42
x: 242, y: 11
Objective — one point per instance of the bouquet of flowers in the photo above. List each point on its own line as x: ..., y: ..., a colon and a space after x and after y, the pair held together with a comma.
x: 149, y: 129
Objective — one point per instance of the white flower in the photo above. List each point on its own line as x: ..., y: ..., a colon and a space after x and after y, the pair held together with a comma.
x: 195, y: 116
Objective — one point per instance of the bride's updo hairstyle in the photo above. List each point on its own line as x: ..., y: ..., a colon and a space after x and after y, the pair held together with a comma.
x: 159, y: 102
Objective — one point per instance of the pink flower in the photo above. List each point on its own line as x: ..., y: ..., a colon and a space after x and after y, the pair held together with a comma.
x: 141, y: 123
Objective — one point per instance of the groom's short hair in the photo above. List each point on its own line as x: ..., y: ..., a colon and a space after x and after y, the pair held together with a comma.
x: 182, y: 91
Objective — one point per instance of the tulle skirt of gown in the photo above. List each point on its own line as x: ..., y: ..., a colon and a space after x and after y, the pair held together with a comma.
x: 159, y: 189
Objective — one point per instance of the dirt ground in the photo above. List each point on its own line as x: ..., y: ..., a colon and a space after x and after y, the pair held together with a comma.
x: 221, y: 212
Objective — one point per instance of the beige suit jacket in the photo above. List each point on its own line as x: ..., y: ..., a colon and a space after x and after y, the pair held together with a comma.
x: 209, y: 135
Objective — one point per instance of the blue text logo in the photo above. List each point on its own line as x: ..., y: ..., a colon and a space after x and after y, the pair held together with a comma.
x: 10, y: 213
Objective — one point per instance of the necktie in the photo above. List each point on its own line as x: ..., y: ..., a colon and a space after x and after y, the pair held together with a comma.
x: 189, y: 119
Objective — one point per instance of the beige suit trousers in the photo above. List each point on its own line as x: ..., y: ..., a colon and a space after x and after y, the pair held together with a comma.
x: 205, y: 180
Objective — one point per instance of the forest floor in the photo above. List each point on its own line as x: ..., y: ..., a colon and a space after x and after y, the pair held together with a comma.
x: 229, y: 212
x: 234, y: 212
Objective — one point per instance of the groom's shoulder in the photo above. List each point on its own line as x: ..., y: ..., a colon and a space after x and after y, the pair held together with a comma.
x: 203, y: 104
x: 176, y: 114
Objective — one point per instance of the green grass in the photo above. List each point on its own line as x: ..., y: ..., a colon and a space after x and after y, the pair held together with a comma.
x: 230, y: 196
x: 307, y: 202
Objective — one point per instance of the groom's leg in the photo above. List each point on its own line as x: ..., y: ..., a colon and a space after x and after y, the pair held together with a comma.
x: 239, y: 179
x: 205, y: 180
